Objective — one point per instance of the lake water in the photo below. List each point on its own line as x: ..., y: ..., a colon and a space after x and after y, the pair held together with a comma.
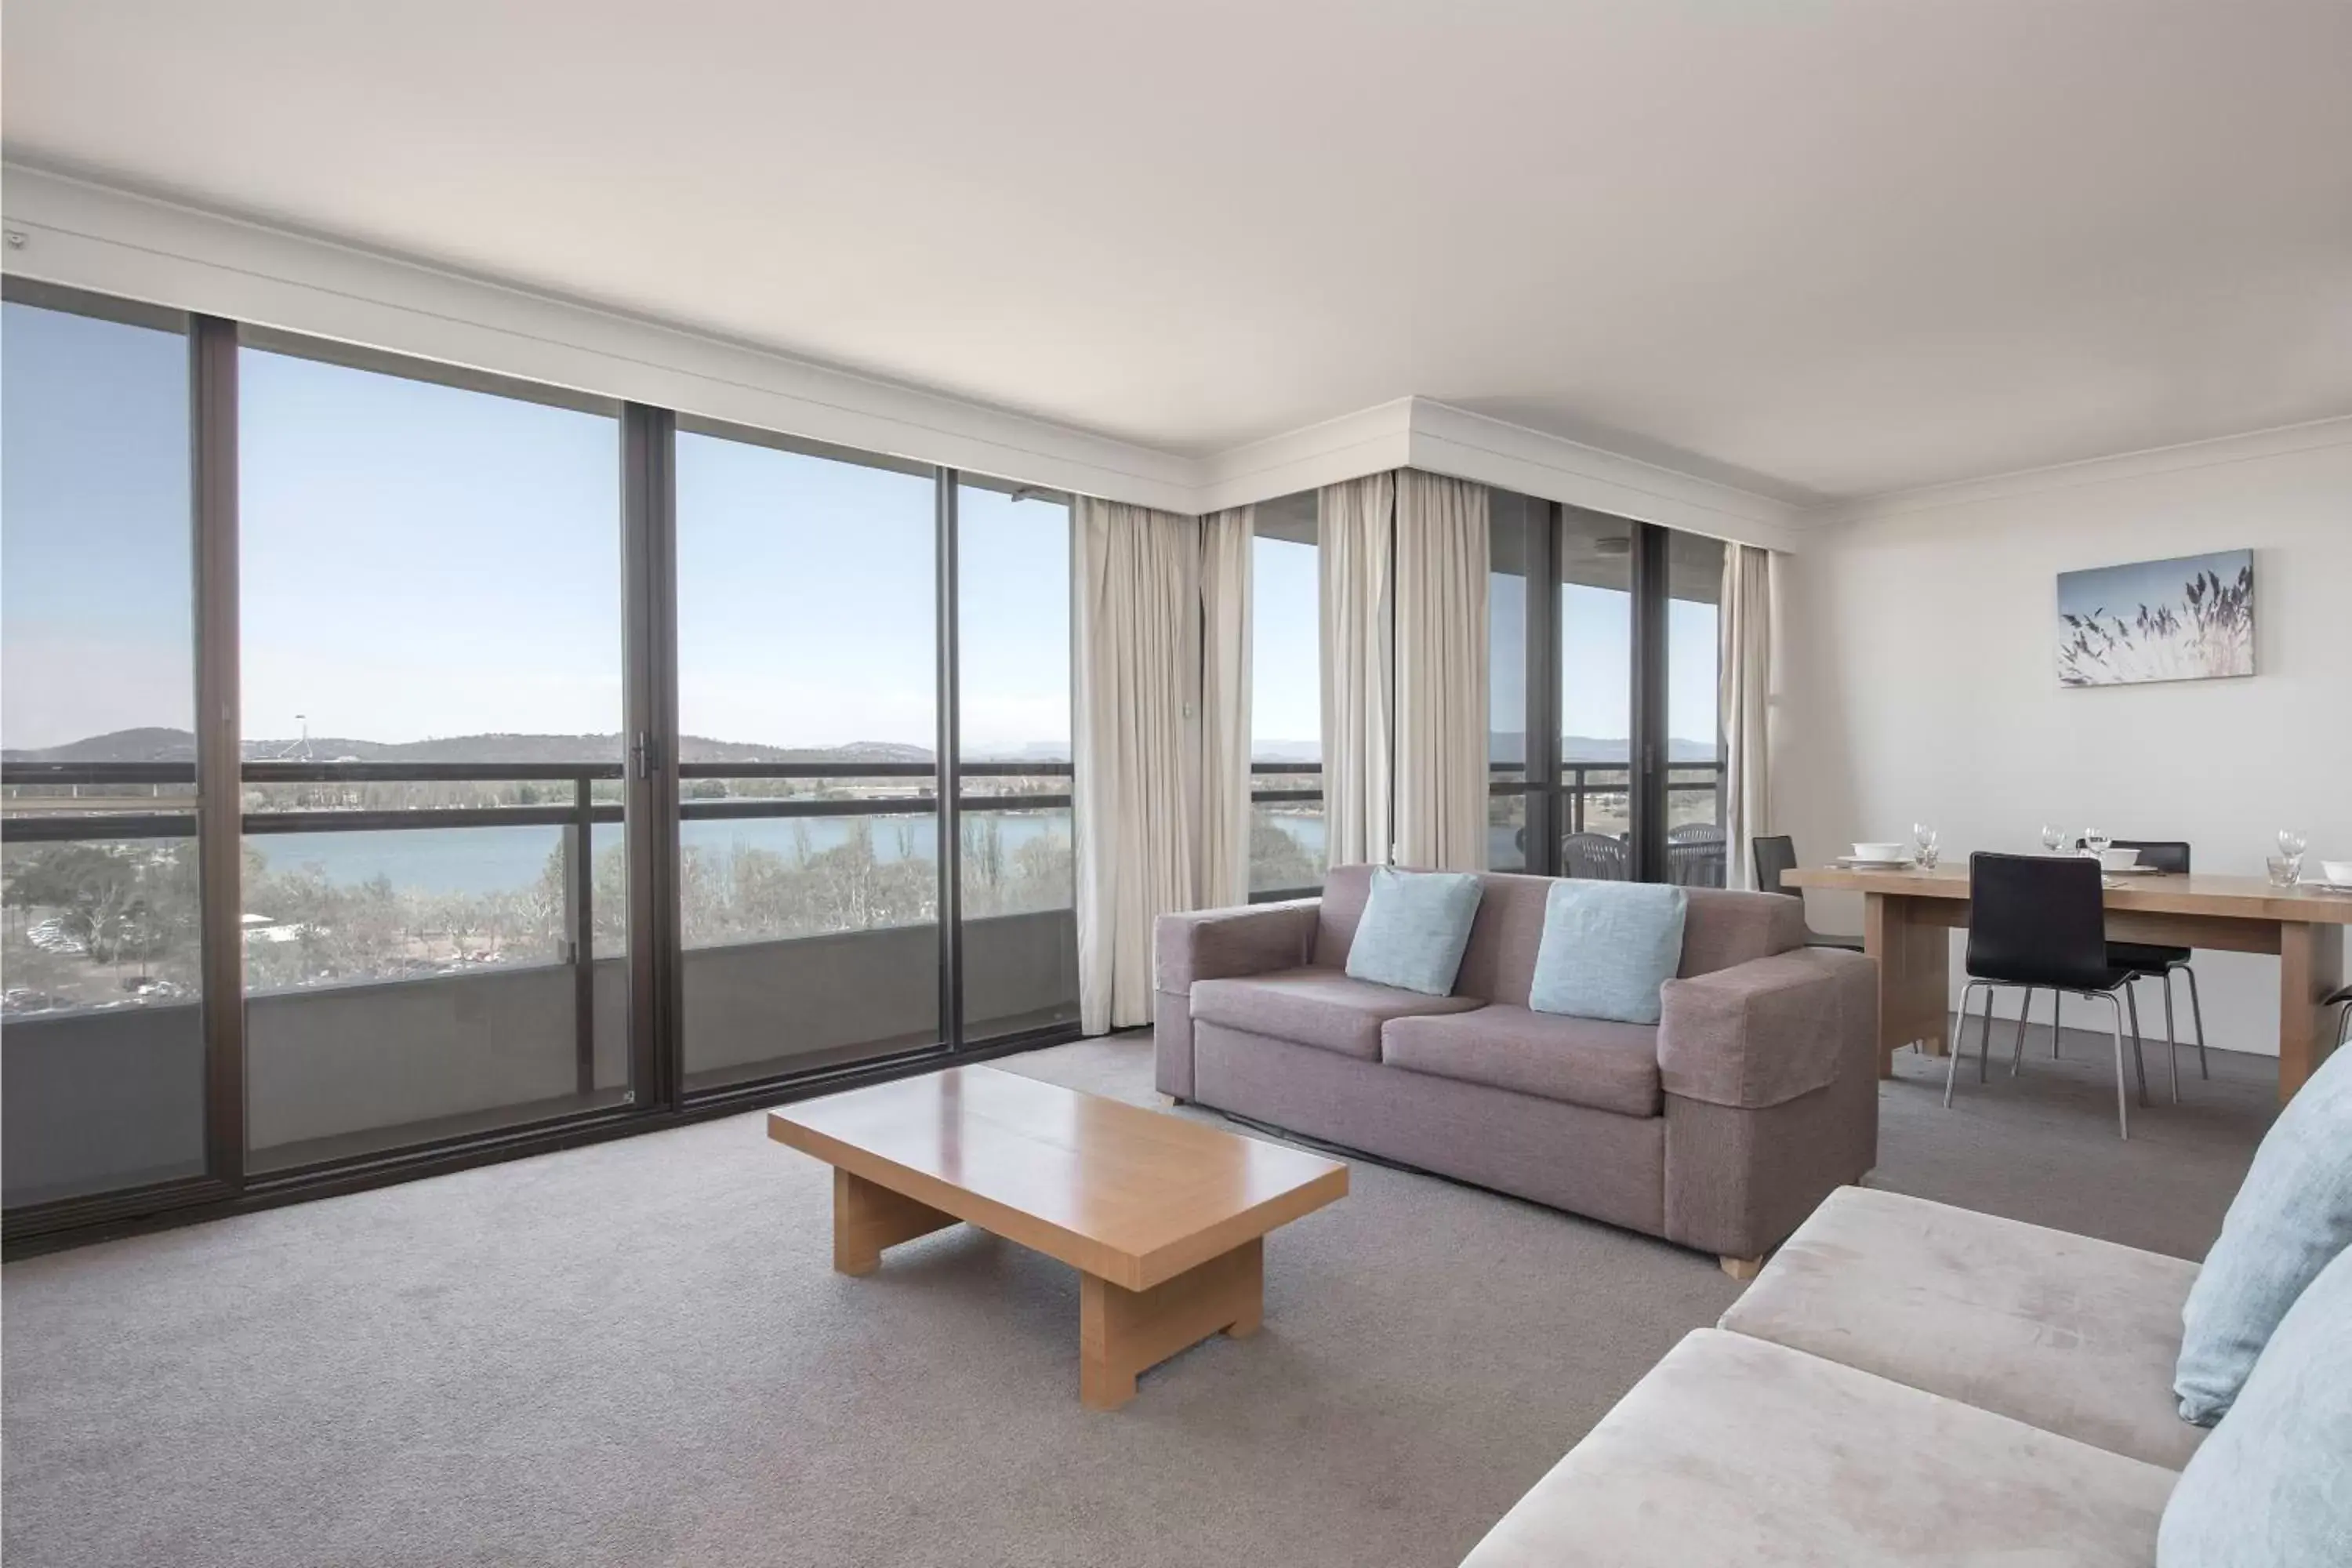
x: 494, y: 859
x: 497, y: 859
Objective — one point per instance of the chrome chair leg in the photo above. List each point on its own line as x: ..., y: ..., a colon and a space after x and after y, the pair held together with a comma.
x: 2056, y: 997
x: 2139, y: 1060
x: 2017, y: 1052
x: 2123, y: 1100
x: 2171, y: 1043
x: 2196, y: 1014
x: 1961, y: 1039
x: 1984, y: 1038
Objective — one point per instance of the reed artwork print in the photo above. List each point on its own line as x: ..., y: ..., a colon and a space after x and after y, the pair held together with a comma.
x: 2187, y: 620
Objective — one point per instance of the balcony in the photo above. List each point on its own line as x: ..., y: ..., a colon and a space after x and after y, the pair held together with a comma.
x: 386, y: 1009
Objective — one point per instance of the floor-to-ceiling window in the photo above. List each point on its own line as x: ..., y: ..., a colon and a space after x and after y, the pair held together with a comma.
x: 1017, y: 894
x: 1515, y: 814
x: 1286, y: 844
x: 403, y: 762
x: 1595, y: 634
x: 429, y: 646
x: 1694, y: 839
x: 808, y: 718
x: 101, y: 1032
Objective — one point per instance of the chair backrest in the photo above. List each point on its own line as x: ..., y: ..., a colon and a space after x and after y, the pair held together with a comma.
x: 2037, y: 919
x: 2164, y: 854
x: 1774, y: 853
x: 1694, y: 833
x: 1598, y: 856
x: 1695, y: 863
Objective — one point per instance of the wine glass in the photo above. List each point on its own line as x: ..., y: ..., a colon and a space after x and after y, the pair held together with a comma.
x: 2291, y: 843
x: 2095, y: 841
x: 2052, y: 839
x: 1924, y: 840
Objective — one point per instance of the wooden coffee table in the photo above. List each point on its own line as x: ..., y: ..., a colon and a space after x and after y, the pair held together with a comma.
x: 1164, y: 1219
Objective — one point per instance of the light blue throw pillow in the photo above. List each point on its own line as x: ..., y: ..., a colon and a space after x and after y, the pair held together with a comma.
x: 2272, y: 1485
x: 1415, y: 926
x: 1607, y: 948
x: 2289, y: 1220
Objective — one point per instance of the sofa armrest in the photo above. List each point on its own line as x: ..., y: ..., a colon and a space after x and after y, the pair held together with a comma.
x: 1219, y: 944
x: 1761, y: 1033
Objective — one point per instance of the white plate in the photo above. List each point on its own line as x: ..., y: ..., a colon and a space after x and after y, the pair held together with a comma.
x: 2340, y: 888
x: 1850, y: 864
x: 2135, y: 872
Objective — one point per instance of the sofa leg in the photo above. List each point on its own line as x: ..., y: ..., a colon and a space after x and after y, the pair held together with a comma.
x: 1742, y: 1267
x: 1168, y: 1100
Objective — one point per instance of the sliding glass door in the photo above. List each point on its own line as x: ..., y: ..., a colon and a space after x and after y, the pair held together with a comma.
x: 808, y: 718
x: 1016, y: 863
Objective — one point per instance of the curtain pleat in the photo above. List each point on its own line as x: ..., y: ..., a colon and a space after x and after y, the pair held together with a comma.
x: 1442, y: 564
x: 1222, y: 876
x: 1744, y: 667
x: 1355, y: 528
x: 1136, y: 630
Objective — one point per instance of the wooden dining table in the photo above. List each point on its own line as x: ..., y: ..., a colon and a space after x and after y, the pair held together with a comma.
x: 1907, y: 912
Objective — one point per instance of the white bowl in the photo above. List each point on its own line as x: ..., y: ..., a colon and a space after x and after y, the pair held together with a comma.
x: 2338, y: 871
x: 1878, y: 852
x: 2117, y: 859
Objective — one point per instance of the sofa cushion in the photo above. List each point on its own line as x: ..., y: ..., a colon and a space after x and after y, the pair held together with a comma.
x: 1724, y: 928
x: 1738, y: 1450
x: 2290, y: 1217
x: 1320, y: 1007
x: 2063, y: 1332
x: 1415, y: 928
x: 2274, y: 1485
x: 1599, y: 1063
x: 1607, y: 949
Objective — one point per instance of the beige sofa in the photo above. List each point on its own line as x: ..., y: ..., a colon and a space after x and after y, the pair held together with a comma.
x: 1720, y: 1128
x: 1906, y: 1383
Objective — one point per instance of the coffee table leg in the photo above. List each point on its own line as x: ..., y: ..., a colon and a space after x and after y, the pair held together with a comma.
x: 1123, y: 1332
x: 867, y: 1218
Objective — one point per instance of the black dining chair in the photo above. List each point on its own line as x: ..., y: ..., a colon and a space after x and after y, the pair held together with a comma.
x: 2151, y: 961
x: 1774, y: 853
x: 2041, y: 922
x: 2342, y: 997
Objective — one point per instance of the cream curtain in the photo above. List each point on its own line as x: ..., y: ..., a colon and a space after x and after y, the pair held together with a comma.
x: 1745, y: 673
x: 1136, y: 630
x: 1356, y: 523
x: 1222, y: 868
x: 1442, y: 564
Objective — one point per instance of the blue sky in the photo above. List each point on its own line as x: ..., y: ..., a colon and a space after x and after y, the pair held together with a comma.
x: 423, y: 561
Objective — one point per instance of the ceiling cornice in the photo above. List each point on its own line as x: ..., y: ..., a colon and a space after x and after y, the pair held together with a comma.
x: 75, y: 232
x: 2218, y: 451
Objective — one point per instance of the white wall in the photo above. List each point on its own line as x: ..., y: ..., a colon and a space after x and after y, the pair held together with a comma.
x: 1918, y: 679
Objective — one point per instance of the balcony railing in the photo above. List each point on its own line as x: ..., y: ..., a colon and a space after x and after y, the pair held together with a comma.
x: 54, y: 803
x: 1593, y: 819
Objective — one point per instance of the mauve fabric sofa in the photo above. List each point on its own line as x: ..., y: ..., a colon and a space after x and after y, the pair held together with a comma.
x: 1753, y: 1097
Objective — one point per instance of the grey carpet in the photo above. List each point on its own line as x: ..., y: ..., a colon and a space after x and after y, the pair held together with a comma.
x: 638, y: 1354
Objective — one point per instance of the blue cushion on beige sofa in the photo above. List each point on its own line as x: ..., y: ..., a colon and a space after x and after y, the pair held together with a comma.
x: 1607, y: 948
x: 2289, y: 1220
x: 2272, y: 1485
x: 1415, y: 928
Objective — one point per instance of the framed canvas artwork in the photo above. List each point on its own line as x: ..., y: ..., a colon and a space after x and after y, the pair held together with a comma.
x: 2191, y: 618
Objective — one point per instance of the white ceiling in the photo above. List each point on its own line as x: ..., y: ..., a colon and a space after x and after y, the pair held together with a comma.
x: 1818, y: 247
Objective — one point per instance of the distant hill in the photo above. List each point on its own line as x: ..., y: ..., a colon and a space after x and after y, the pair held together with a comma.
x: 150, y: 745
x: 159, y: 745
